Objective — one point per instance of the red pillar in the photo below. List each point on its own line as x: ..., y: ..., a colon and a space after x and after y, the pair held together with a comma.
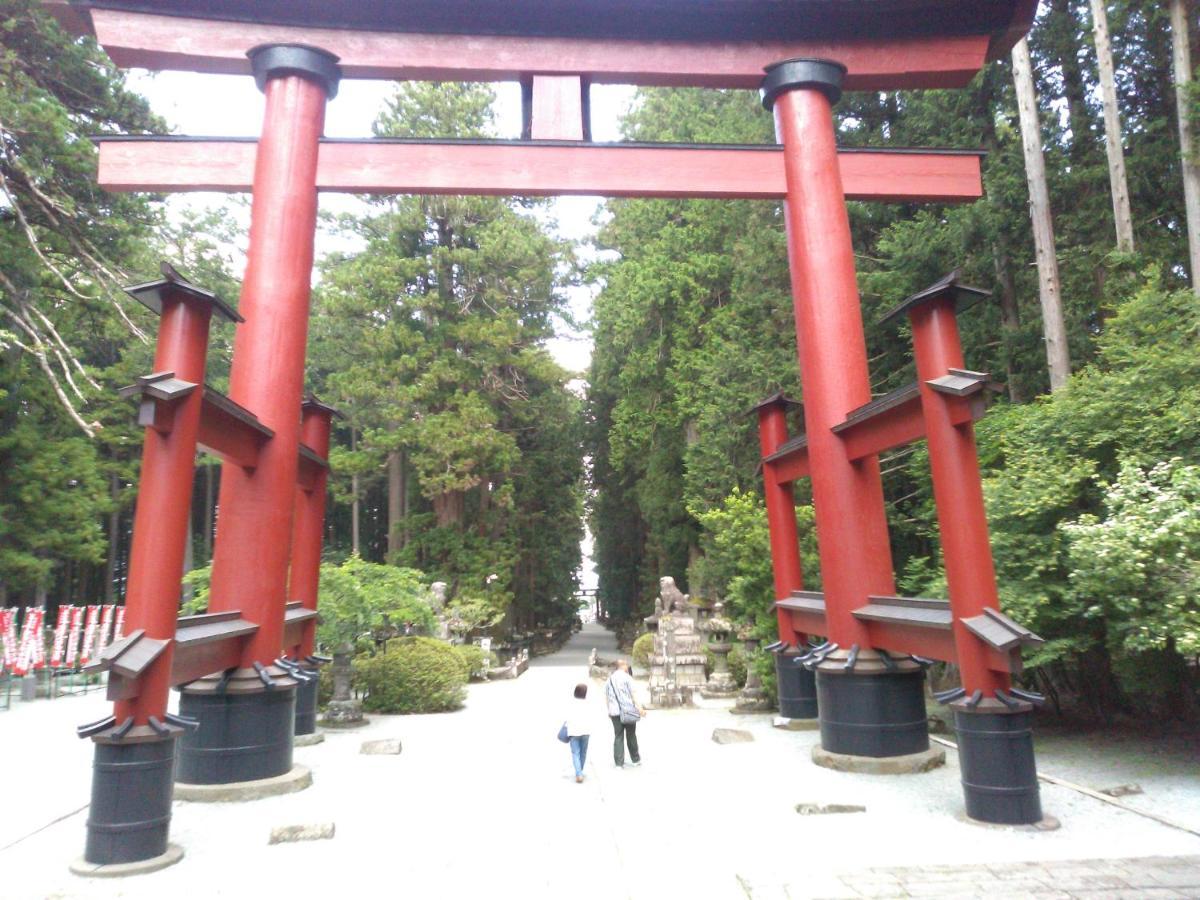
x: 164, y: 490
x: 957, y: 491
x: 254, y: 526
x: 851, y: 524
x: 309, y: 523
x: 781, y: 514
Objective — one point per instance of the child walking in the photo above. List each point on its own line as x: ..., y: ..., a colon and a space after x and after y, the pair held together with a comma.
x: 578, y: 730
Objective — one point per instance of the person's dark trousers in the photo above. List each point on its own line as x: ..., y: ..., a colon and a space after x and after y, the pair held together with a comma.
x: 624, y: 734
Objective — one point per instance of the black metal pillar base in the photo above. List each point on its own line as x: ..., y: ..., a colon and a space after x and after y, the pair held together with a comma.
x: 995, y: 753
x: 877, y: 714
x: 130, y: 814
x: 797, y: 687
x: 245, y: 733
x: 306, y: 703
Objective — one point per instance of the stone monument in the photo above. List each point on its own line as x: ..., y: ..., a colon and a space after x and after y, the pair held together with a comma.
x: 677, y: 666
x: 437, y: 601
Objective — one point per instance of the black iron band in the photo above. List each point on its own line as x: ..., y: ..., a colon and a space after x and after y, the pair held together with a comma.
x: 273, y: 60
x: 824, y: 75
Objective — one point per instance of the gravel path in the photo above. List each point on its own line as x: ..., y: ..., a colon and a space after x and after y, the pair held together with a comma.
x: 482, y: 804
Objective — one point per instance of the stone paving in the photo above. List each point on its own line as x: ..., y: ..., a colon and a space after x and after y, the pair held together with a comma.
x: 482, y: 804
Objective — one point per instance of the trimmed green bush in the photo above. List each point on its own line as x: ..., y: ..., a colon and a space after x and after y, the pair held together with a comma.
x: 473, y: 656
x: 643, y: 649
x: 414, y: 675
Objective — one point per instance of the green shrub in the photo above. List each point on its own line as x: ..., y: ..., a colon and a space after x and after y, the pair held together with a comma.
x: 415, y: 675
x: 643, y: 649
x: 473, y: 656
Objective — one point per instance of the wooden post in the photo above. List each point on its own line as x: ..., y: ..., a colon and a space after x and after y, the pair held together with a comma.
x: 1181, y: 55
x: 1122, y: 217
x: 1054, y: 329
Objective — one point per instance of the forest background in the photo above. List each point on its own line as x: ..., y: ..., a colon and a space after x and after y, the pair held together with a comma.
x: 462, y: 454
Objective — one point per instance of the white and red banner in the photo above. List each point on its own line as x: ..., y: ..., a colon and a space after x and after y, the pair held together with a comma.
x: 8, y: 635
x: 31, y: 637
x: 120, y: 629
x: 106, y: 628
x: 73, y: 636
x: 60, y: 637
x: 90, y: 632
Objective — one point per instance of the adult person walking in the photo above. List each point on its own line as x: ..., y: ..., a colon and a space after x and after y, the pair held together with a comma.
x: 578, y: 730
x: 625, y: 712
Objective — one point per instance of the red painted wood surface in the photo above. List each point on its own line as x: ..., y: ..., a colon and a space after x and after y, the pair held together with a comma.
x: 308, y: 526
x: 781, y: 518
x: 250, y: 560
x: 856, y: 559
x: 199, y: 45
x: 521, y: 169
x: 788, y: 468
x: 557, y: 109
x: 160, y: 524
x: 895, y: 427
x: 228, y: 437
x: 957, y: 490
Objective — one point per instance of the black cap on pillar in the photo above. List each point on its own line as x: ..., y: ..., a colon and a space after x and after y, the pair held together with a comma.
x: 824, y: 75
x: 295, y: 59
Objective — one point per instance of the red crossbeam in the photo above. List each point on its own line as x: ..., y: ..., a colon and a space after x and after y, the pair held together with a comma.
x: 874, y: 431
x: 520, y: 168
x: 147, y: 41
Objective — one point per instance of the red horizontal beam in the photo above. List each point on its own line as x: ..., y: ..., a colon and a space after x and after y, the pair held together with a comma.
x: 148, y: 41
x: 525, y: 169
x: 895, y: 427
x: 791, y: 467
x: 229, y: 436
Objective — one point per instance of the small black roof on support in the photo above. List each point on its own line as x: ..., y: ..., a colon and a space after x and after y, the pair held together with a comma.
x: 964, y: 296
x: 779, y: 398
x: 150, y: 294
x: 311, y: 402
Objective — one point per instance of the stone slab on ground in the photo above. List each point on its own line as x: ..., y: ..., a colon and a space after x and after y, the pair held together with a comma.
x: 290, y: 834
x: 731, y: 736
x: 85, y: 869
x: 309, y: 740
x: 823, y: 809
x: 909, y: 764
x: 384, y: 747
x: 299, y: 778
x: 785, y: 724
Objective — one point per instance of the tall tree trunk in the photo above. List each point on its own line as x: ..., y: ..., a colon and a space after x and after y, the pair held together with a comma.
x: 114, y: 540
x: 1112, y: 130
x: 395, y: 508
x: 448, y: 508
x: 1010, y: 317
x: 1182, y: 58
x: 1054, y: 328
x: 354, y: 501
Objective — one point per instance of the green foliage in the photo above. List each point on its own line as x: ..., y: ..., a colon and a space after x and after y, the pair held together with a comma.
x: 736, y: 661
x: 359, y: 597
x: 414, y: 675
x: 473, y: 658
x: 643, y: 649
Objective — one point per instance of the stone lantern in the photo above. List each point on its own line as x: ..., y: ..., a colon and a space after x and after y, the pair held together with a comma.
x: 752, y: 698
x: 720, y: 631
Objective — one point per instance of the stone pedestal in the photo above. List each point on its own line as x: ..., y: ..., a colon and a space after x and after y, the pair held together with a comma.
x: 677, y: 666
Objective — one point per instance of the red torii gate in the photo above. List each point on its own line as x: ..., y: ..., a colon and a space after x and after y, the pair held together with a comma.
x: 238, y: 688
